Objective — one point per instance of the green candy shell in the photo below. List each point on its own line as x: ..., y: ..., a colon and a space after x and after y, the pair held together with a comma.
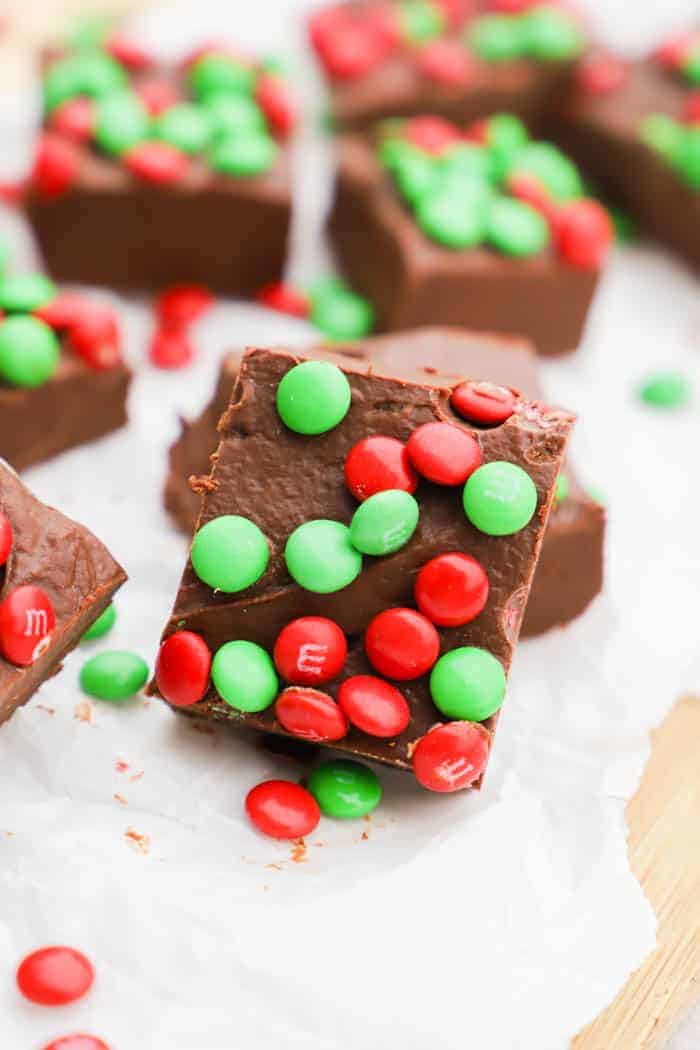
x: 687, y: 158
x: 233, y: 115
x: 344, y: 789
x: 313, y: 397
x: 420, y: 20
x: 341, y: 314
x: 416, y: 174
x: 550, y: 35
x: 661, y: 133
x: 468, y: 684
x: 185, y: 126
x: 515, y: 228
x: 561, y: 492
x: 113, y: 675
x: 666, y: 390
x: 102, y: 625
x: 24, y: 293
x: 217, y: 74
x: 229, y: 553
x: 385, y: 522
x: 29, y: 351
x: 558, y: 174
x: 691, y: 66
x: 244, y: 676
x: 121, y: 122
x: 320, y: 556
x: 498, y: 38
x: 499, y: 498
x: 456, y: 220
x: 244, y: 156
x: 94, y: 74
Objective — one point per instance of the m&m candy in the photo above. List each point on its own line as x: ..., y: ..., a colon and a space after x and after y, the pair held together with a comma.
x: 374, y: 706
x: 345, y: 790
x: 310, y: 714
x: 171, y: 348
x: 113, y: 675
x: 483, y: 403
x: 102, y: 625
x: 500, y: 498
x: 182, y: 304
x: 310, y: 650
x: 385, y: 522
x: 451, y: 589
x: 401, y: 644
x: 444, y: 453
x: 313, y: 397
x: 77, y: 1041
x: 158, y: 162
x: 55, y: 976
x: 320, y: 556
x: 27, y: 622
x: 182, y: 668
x: 468, y: 683
x: 451, y: 757
x: 584, y: 233
x: 6, y: 538
x: 229, y: 553
x: 378, y: 463
x: 282, y: 809
x: 244, y: 676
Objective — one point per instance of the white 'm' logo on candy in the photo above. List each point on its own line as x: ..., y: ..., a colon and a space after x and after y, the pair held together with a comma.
x: 37, y: 623
x: 311, y: 657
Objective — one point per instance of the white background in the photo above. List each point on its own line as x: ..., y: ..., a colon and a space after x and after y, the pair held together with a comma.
x: 498, y: 922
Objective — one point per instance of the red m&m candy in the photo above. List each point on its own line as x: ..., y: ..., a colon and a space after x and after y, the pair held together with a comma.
x: 6, y: 537
x: 157, y: 95
x: 602, y: 74
x: 310, y: 714
x: 282, y: 809
x: 444, y: 453
x: 64, y: 310
x: 55, y: 165
x: 94, y: 335
x: 182, y: 668
x: 171, y: 348
x: 483, y: 403
x: 310, y: 651
x: 691, y: 108
x: 78, y: 1041
x: 127, y: 53
x: 451, y: 757
x: 75, y: 118
x: 157, y: 162
x: 274, y: 99
x: 584, y: 232
x: 55, y: 976
x: 182, y: 304
x: 446, y: 62
x: 374, y: 706
x: 431, y: 134
x: 401, y: 644
x: 27, y: 620
x: 377, y: 464
x: 285, y: 299
x: 451, y: 589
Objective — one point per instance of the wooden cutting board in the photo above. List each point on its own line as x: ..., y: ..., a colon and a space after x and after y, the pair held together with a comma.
x: 663, y: 817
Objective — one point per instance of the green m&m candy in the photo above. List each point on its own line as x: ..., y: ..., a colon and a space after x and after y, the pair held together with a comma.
x: 320, y: 556
x: 313, y: 397
x: 497, y: 38
x: 229, y: 553
x: 454, y: 218
x: 499, y: 498
x: 102, y: 625
x: 465, y: 159
x: 121, y: 122
x: 687, y: 158
x: 551, y: 35
x: 663, y: 390
x: 468, y: 684
x: 244, y: 676
x: 416, y: 174
x: 661, y: 133
x: 515, y: 228
x: 393, y: 150
x: 344, y: 789
x: 186, y: 126
x: 232, y: 115
x: 114, y: 675
x: 385, y: 522
x: 505, y: 135
x: 29, y: 351
x: 561, y: 492
x: 94, y: 74
x: 24, y: 293
x: 551, y: 167
x: 244, y: 156
x: 420, y: 20
x: 691, y: 65
x: 339, y: 313
x: 217, y: 74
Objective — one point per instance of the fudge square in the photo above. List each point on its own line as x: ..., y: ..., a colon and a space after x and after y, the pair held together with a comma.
x: 480, y: 228
x: 635, y: 129
x: 57, y: 579
x: 459, y: 60
x: 569, y: 573
x: 63, y: 381
x: 361, y: 565
x: 145, y: 176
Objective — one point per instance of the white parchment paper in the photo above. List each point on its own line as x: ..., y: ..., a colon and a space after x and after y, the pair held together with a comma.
x: 503, y: 921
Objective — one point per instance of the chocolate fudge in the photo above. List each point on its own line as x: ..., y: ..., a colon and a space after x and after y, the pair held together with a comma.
x: 461, y: 61
x: 491, y: 234
x: 63, y: 381
x: 57, y: 579
x: 275, y: 480
x: 569, y: 573
x: 146, y: 176
x: 635, y: 130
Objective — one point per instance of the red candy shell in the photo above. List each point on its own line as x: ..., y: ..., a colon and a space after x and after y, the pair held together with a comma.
x: 602, y: 74
x: 310, y: 714
x: 63, y: 311
x: 171, y: 348
x: 691, y: 108
x: 6, y: 537
x: 674, y: 51
x: 446, y: 62
x: 451, y: 757
x: 93, y: 334
x: 182, y: 304
x: 55, y: 165
x: 376, y: 464
x: 55, y: 976
x: 444, y: 453
x: 374, y: 706
x: 158, y: 95
x: 127, y: 53
x: 451, y: 589
x: 431, y: 134
x: 584, y: 232
x: 157, y: 162
x: 402, y: 644
x: 483, y: 403
x: 310, y: 651
x: 182, y: 668
x: 27, y: 620
x: 285, y: 299
x: 275, y: 100
x: 282, y: 810
x: 78, y: 1041
x: 75, y: 118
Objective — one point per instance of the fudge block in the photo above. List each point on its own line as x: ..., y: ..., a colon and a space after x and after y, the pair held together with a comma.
x: 634, y: 130
x: 482, y: 234
x: 569, y: 573
x: 57, y: 579
x: 281, y: 538
x: 146, y: 176
x: 63, y: 381
x: 461, y: 62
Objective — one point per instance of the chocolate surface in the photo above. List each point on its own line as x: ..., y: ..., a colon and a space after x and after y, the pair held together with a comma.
x: 280, y: 479
x: 413, y: 281
x: 78, y: 404
x: 603, y: 133
x: 75, y: 570
x: 570, y: 570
